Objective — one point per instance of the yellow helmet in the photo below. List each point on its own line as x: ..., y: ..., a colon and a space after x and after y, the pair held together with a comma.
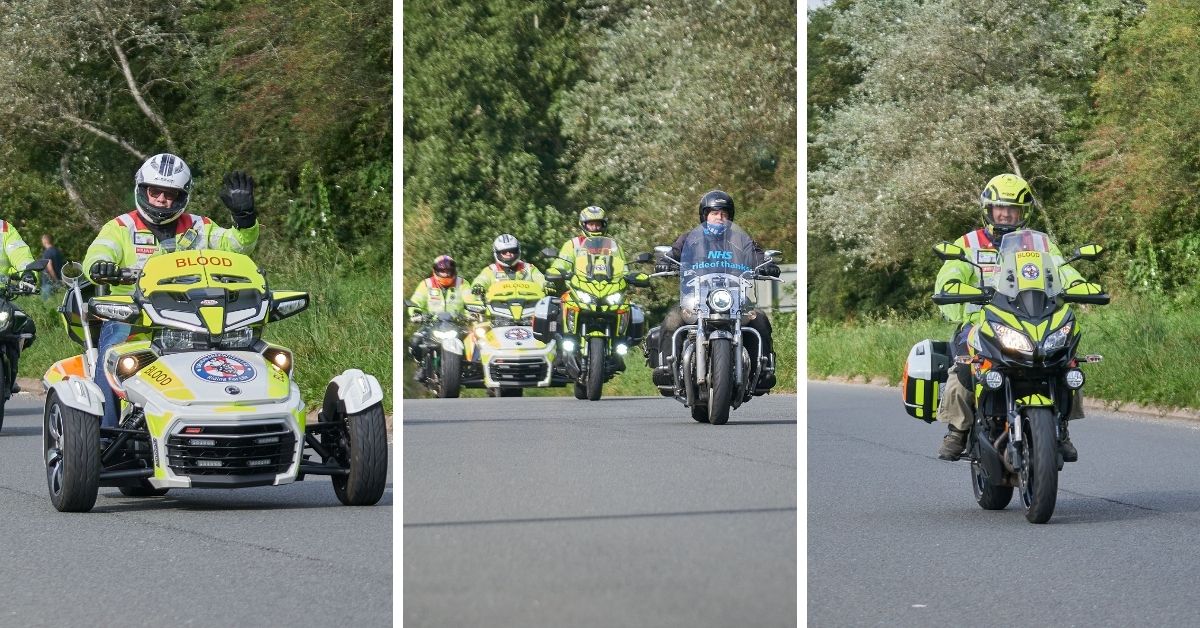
x: 1007, y: 190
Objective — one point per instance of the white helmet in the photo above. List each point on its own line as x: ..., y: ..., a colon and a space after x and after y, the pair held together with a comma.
x: 506, y: 242
x: 162, y: 171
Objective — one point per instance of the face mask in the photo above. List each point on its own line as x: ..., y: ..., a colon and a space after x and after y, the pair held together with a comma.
x: 714, y: 229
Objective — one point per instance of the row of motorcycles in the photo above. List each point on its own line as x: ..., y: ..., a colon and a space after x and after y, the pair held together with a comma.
x: 205, y: 401
x: 513, y: 337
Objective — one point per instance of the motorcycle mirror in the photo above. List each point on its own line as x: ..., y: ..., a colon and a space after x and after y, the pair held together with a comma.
x: 947, y: 251
x: 643, y: 258
x: 1087, y: 252
x: 773, y: 254
x: 549, y: 252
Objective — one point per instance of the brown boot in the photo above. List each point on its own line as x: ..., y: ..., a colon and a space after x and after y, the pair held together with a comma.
x: 953, y: 445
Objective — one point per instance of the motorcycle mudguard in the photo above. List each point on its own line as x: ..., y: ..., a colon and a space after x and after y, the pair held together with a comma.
x: 453, y: 345
x: 720, y: 333
x: 356, y: 391
x: 81, y: 394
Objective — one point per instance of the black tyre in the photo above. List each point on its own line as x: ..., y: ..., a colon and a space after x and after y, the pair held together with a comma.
x: 989, y: 496
x: 1039, y: 475
x: 5, y: 385
x: 145, y: 490
x: 580, y: 391
x: 720, y: 380
x: 365, y: 452
x: 71, y: 448
x: 700, y: 413
x: 450, y: 377
x: 595, y: 374
x: 512, y: 392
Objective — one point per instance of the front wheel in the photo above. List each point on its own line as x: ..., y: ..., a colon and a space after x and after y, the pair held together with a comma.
x: 5, y: 386
x: 720, y: 380
x: 595, y: 374
x: 450, y: 377
x: 364, y: 453
x: 1039, y: 475
x: 71, y: 447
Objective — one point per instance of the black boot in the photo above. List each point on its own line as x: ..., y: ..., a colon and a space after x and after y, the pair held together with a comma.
x: 953, y: 444
x: 1068, y: 451
x: 767, y: 381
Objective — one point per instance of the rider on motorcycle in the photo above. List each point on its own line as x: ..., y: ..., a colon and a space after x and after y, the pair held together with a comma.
x: 716, y: 212
x: 442, y: 291
x: 1007, y: 202
x: 507, y: 252
x: 593, y: 223
x: 161, y: 190
x: 15, y: 256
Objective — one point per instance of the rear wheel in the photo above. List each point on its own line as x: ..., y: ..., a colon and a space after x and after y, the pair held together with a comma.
x: 1039, y: 474
x: 450, y: 376
x: 71, y: 447
x: 988, y: 495
x: 720, y: 381
x: 595, y: 374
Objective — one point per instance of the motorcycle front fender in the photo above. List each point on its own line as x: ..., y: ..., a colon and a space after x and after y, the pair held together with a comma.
x: 354, y: 391
x: 453, y: 345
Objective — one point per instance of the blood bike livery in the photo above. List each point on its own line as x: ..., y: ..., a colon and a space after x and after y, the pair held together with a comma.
x: 593, y: 321
x: 502, y: 354
x: 206, y: 402
x: 1024, y: 369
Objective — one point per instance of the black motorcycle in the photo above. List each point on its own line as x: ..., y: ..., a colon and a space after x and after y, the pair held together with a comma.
x: 16, y: 329
x: 712, y: 368
x: 438, y: 349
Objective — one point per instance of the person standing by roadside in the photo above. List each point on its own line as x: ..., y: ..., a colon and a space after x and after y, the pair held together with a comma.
x: 53, y: 267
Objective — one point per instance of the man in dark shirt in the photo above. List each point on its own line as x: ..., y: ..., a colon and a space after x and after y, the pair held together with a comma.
x: 53, y: 268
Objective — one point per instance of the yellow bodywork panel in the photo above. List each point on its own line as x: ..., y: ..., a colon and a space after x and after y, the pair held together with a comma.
x: 1035, y: 401
x: 167, y: 381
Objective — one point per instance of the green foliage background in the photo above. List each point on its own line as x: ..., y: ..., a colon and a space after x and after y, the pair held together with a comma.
x: 296, y: 92
x: 519, y: 113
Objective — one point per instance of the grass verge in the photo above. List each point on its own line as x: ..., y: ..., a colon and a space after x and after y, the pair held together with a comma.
x: 1141, y: 341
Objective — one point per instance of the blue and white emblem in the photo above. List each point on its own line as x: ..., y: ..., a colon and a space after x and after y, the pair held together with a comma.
x: 1030, y: 271
x: 223, y: 368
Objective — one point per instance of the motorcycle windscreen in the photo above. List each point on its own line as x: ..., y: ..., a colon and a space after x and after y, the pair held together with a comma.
x: 599, y: 259
x: 706, y: 251
x: 1027, y: 263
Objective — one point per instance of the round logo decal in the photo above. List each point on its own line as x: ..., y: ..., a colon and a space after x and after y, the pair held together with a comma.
x: 518, y: 333
x: 223, y: 368
x: 1030, y: 271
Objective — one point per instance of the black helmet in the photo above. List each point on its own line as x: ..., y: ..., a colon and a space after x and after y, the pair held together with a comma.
x: 715, y: 199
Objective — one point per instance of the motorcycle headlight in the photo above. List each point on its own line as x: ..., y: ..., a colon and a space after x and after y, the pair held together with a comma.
x: 614, y: 298
x: 444, y: 334
x: 236, y: 339
x: 720, y: 300
x: 5, y: 319
x: 1012, y: 340
x: 585, y: 297
x: 1058, y: 339
x: 180, y: 340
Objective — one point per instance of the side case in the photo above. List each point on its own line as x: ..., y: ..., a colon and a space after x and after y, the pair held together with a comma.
x: 925, y: 370
x: 546, y: 315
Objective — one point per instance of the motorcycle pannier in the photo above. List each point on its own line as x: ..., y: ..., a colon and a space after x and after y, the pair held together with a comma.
x: 546, y: 316
x: 637, y: 324
x: 926, y: 368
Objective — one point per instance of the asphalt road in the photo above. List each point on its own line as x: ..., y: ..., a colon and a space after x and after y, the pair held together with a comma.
x: 895, y: 537
x: 267, y: 556
x: 618, y: 512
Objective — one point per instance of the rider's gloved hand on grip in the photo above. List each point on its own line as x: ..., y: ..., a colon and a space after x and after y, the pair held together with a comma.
x: 29, y: 277
x: 662, y: 267
x: 105, y: 272
x: 770, y: 270
x: 238, y: 196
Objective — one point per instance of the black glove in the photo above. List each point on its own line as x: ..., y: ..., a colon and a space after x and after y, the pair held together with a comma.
x: 29, y: 277
x: 662, y: 267
x: 770, y: 270
x: 105, y: 272
x: 238, y: 196
x: 477, y: 290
